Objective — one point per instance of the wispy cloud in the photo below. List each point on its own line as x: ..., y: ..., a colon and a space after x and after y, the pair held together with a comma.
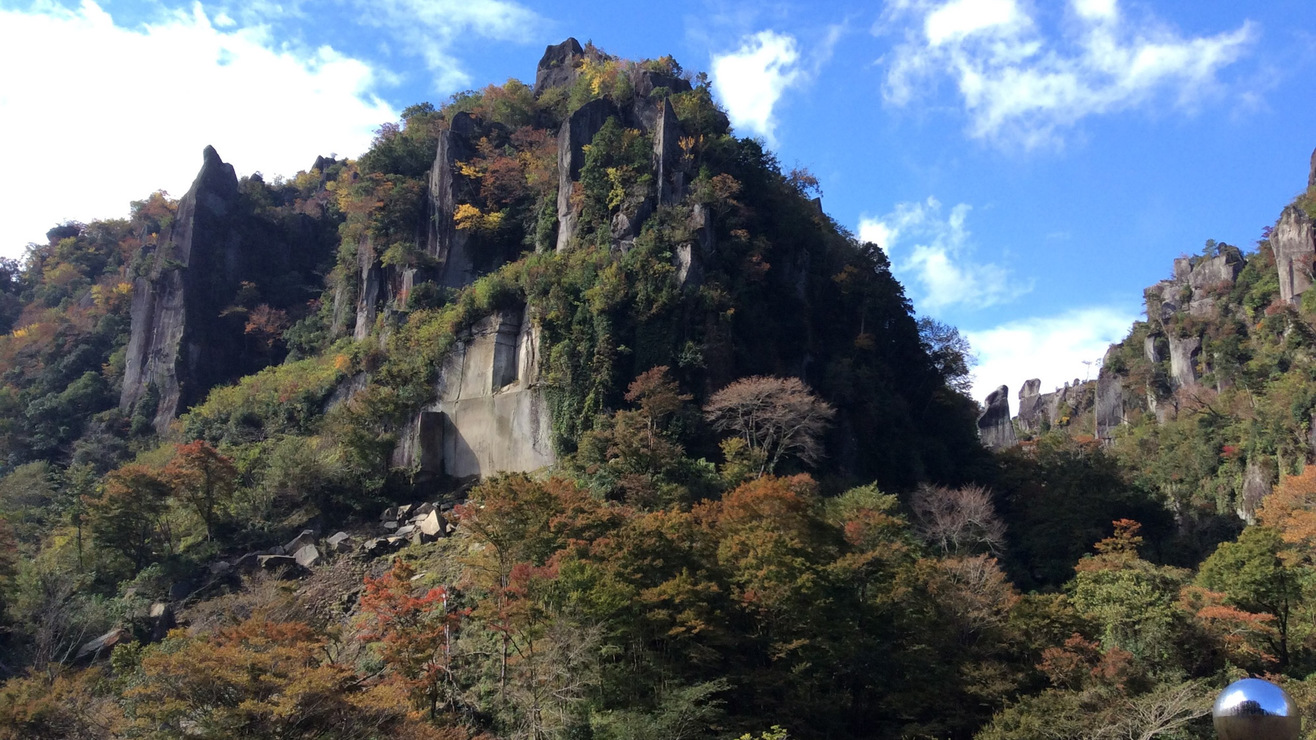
x: 751, y: 80
x: 431, y: 28
x: 1051, y: 348
x: 1024, y: 82
x: 936, y: 254
x: 136, y: 119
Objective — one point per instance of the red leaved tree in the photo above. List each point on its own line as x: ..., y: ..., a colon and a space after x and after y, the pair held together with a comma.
x: 416, y: 634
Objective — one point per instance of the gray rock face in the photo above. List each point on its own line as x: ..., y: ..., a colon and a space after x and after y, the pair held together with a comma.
x: 445, y: 243
x: 1109, y: 402
x: 1030, y: 406
x: 1256, y: 486
x: 1183, y: 360
x: 557, y: 68
x: 1069, y: 402
x: 1151, y: 348
x: 576, y: 133
x: 490, y: 415
x: 994, y: 426
x: 1294, y: 242
x: 183, y: 342
x: 666, y: 156
x: 169, y: 345
x: 1311, y: 176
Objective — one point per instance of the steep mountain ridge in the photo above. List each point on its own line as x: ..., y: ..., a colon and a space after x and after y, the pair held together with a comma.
x: 1224, y: 356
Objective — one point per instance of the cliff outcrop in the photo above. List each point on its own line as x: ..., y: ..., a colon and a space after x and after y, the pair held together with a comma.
x: 490, y: 415
x: 218, y: 261
x: 994, y: 426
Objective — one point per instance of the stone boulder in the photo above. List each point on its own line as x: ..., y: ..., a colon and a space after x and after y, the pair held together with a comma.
x: 307, y: 556
x: 284, y: 566
x: 995, y: 428
x: 102, y: 645
x: 162, y: 619
x: 1293, y: 241
x: 432, y: 524
x: 307, y: 537
x: 340, y: 542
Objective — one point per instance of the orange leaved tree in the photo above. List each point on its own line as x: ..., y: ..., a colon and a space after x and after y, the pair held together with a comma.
x: 415, y: 633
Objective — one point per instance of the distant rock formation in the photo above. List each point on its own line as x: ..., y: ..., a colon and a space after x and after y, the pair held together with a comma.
x: 490, y: 415
x: 576, y: 133
x: 1294, y: 242
x: 1311, y: 176
x: 994, y: 426
x: 446, y: 243
x: 557, y: 68
x: 187, y: 331
x: 1184, y: 352
x: 1031, y: 408
x: 1108, y: 406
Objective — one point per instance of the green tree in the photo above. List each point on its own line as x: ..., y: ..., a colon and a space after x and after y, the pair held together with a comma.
x: 1253, y: 576
x: 128, y: 516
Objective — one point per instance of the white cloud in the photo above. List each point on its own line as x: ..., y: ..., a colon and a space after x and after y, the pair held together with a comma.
x: 960, y: 18
x: 936, y: 255
x: 751, y: 80
x: 100, y: 115
x: 1051, y: 348
x: 429, y: 29
x: 1022, y: 84
x: 1096, y: 9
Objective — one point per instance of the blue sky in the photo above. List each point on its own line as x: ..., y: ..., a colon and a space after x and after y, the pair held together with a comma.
x: 1030, y: 166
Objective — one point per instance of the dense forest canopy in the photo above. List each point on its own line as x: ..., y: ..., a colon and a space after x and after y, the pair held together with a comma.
x: 661, y: 451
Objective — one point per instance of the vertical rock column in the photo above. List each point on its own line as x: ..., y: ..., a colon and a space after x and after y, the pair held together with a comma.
x: 994, y: 426
x: 175, y: 343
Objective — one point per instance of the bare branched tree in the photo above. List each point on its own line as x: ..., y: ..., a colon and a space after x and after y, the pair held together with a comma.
x: 1160, y: 712
x: 957, y: 519
x: 776, y: 417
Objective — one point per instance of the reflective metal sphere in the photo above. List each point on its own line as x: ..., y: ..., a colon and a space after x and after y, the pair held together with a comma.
x: 1253, y: 709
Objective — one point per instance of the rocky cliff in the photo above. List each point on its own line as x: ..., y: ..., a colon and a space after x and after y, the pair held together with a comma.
x: 490, y: 415
x: 1226, y: 335
x: 218, y: 260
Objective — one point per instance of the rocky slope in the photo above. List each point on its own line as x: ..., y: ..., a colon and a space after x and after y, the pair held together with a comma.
x: 1226, y: 335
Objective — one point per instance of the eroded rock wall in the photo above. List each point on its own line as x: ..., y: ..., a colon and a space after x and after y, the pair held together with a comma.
x: 490, y: 416
x: 1294, y: 243
x: 995, y: 428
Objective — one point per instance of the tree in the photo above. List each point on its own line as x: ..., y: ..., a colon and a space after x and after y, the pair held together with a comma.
x: 1251, y: 574
x: 956, y: 519
x: 775, y: 417
x: 416, y: 634
x: 949, y: 351
x: 203, y: 479
x: 128, y: 517
x: 264, y: 679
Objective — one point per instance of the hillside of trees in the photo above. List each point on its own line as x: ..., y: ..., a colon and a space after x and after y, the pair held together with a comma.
x: 768, y: 516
